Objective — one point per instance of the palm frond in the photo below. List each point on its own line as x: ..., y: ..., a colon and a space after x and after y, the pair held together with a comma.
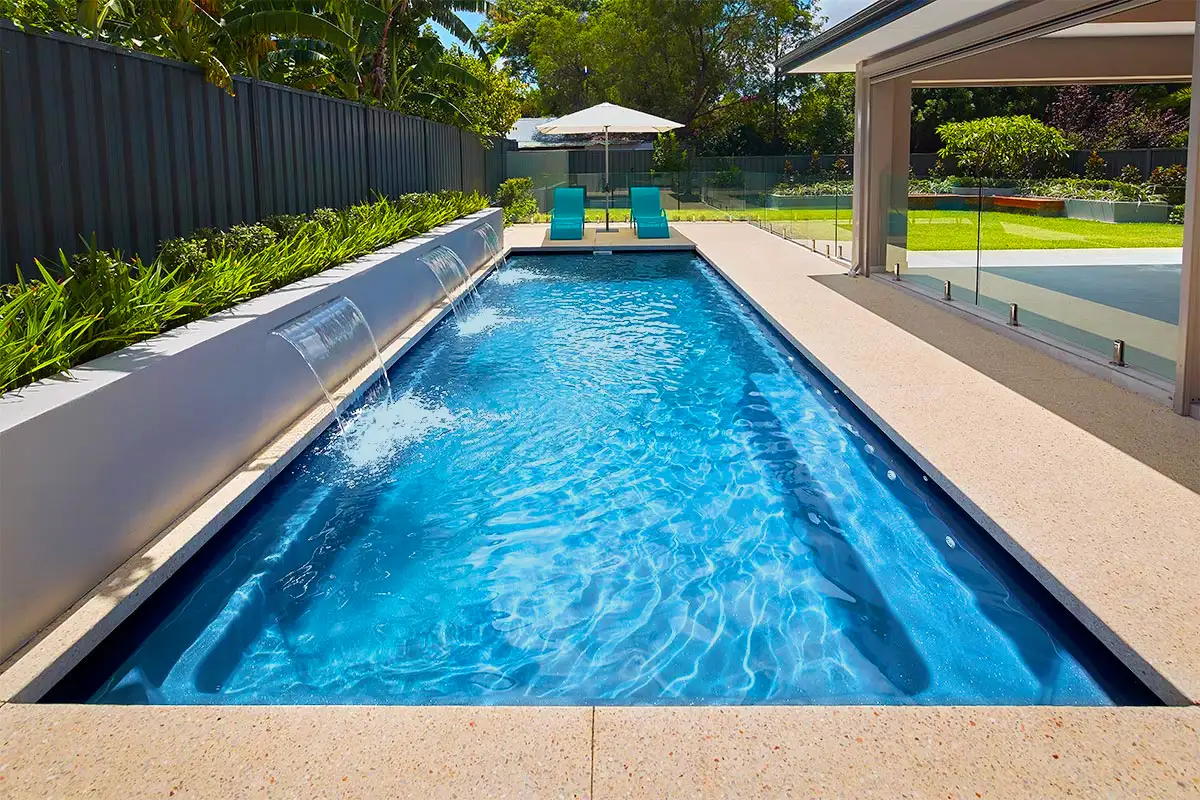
x: 291, y: 22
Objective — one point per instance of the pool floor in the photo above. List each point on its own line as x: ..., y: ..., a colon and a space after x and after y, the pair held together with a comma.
x: 610, y: 483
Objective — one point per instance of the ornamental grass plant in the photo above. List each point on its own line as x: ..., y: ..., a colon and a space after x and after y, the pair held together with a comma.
x: 97, y: 302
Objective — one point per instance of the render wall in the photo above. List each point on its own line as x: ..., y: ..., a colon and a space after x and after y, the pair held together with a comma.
x: 93, y: 467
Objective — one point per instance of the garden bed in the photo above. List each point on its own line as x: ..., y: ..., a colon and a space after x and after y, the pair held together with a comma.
x: 985, y: 191
x: 814, y: 201
x: 92, y: 467
x: 1116, y: 211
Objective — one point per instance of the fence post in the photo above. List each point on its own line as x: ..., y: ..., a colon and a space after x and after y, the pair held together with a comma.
x: 367, y: 174
x: 462, y: 165
x: 256, y: 152
x: 425, y: 149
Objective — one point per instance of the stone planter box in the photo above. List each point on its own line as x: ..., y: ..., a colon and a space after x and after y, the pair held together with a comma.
x: 831, y: 202
x: 1117, y: 211
x: 93, y: 467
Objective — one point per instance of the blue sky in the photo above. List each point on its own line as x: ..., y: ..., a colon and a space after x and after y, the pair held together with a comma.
x: 836, y: 10
x: 472, y: 19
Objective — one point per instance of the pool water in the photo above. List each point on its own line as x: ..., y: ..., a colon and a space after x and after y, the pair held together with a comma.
x: 610, y: 484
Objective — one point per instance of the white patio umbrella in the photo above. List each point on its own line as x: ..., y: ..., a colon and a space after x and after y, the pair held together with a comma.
x: 608, y: 118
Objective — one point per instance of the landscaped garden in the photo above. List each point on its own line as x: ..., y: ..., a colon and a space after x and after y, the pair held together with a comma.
x: 1020, y: 196
x: 941, y: 230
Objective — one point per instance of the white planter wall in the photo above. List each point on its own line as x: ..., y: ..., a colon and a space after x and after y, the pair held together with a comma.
x: 92, y: 468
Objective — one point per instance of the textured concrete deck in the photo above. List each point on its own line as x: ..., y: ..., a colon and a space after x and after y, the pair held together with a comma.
x: 354, y: 752
x: 620, y: 236
x: 1095, y: 489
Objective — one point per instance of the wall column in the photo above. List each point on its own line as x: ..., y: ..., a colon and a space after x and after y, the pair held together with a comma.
x: 882, y: 120
x: 1187, y: 366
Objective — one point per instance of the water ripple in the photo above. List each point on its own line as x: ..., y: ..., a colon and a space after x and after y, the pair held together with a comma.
x: 608, y: 485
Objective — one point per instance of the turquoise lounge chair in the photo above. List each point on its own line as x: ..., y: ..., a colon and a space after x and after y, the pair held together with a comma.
x: 649, y: 220
x: 566, y: 218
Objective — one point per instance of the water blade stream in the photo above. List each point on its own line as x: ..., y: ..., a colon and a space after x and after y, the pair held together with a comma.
x: 452, y: 273
x: 325, y: 337
x: 492, y: 246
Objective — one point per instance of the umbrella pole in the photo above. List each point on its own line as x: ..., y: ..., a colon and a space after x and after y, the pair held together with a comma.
x: 607, y: 186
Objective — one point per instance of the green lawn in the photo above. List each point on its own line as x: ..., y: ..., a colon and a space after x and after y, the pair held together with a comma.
x: 960, y: 230
x: 945, y: 230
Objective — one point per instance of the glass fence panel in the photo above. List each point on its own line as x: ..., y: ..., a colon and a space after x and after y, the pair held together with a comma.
x: 941, y: 238
x: 1089, y: 269
x: 814, y: 211
x: 843, y: 221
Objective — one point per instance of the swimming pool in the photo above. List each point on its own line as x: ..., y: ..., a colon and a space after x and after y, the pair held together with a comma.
x: 612, y: 483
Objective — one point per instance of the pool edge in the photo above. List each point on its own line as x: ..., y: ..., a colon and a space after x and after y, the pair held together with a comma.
x: 33, y: 671
x: 1158, y: 684
x: 29, y: 673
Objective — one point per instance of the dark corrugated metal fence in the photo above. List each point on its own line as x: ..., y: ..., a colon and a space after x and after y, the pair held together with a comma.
x: 135, y: 149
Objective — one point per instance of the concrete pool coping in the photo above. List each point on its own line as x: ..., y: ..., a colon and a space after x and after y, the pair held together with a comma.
x: 940, y: 407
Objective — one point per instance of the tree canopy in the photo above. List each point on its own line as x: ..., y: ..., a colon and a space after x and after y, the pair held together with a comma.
x: 380, y: 52
x: 706, y: 63
x: 681, y: 60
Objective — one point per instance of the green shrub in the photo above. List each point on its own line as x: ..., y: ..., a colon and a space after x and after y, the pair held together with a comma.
x: 1014, y: 147
x: 1171, y: 182
x: 244, y: 239
x: 1130, y: 173
x: 515, y: 196
x: 1094, y: 169
x: 813, y: 188
x: 730, y: 177
x: 327, y: 218
x: 104, y: 302
x: 285, y: 224
x: 1087, y: 189
x: 965, y: 182
x: 187, y: 256
x: 1176, y: 215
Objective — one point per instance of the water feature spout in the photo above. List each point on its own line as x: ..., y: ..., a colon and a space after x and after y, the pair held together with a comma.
x: 321, y: 334
x: 451, y: 273
x: 492, y: 245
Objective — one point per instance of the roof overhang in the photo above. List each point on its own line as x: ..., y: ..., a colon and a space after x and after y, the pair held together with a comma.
x: 998, y: 42
x: 880, y: 27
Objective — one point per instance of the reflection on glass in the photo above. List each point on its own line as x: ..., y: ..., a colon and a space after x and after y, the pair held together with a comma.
x: 1087, y: 263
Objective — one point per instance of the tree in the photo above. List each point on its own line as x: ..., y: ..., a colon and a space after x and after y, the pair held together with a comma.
x: 677, y: 59
x: 823, y: 118
x: 375, y: 51
x: 1106, y: 119
x: 559, y: 49
x: 934, y: 107
x: 511, y: 28
x: 669, y: 155
x: 1003, y: 147
x: 494, y: 102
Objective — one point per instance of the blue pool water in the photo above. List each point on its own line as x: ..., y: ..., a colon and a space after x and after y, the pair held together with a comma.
x: 612, y: 484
